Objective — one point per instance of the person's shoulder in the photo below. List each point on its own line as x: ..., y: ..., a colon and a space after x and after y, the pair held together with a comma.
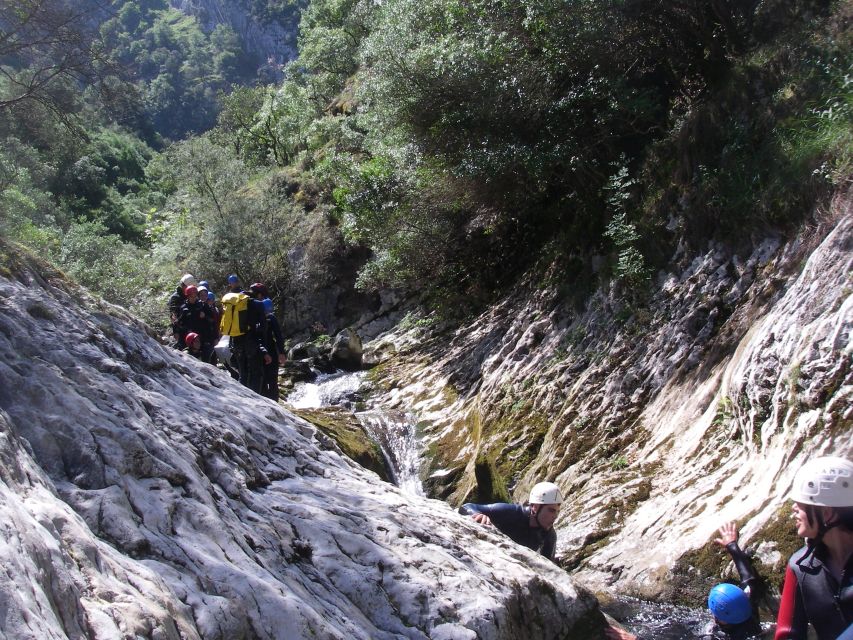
x: 798, y: 555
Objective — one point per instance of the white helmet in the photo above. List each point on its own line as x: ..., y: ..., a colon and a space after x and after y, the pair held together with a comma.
x: 187, y: 279
x: 824, y: 482
x: 545, y: 493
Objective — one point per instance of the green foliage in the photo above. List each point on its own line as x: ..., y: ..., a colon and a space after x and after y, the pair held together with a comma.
x: 773, y: 141
x: 180, y: 69
x: 619, y: 463
x: 120, y: 272
x: 216, y: 223
x: 330, y: 36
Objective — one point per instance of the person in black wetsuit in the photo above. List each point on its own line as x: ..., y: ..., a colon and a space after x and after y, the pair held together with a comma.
x: 275, y: 347
x: 195, y: 317
x: 735, y: 616
x: 176, y: 301
x: 531, y: 526
x: 818, y: 588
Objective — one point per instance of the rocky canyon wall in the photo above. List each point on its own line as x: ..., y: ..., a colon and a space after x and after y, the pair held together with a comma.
x: 659, y: 420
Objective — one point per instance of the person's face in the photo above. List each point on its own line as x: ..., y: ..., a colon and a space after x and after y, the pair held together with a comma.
x: 196, y: 344
x: 546, y: 514
x: 805, y: 529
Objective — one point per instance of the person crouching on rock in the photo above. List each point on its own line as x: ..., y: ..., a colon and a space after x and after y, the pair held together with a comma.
x: 531, y: 526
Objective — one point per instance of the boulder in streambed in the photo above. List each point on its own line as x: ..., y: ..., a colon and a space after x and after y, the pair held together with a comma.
x: 347, y: 350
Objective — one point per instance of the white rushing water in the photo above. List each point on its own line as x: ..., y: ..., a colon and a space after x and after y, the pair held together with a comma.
x: 394, y: 431
x: 327, y: 390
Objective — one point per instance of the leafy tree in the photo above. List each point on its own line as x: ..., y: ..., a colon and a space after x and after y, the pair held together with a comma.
x: 216, y: 223
x: 240, y: 127
x: 47, y: 47
x: 331, y: 33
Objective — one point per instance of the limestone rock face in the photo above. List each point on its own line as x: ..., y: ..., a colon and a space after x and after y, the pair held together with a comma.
x: 659, y: 421
x: 145, y: 494
x: 269, y: 41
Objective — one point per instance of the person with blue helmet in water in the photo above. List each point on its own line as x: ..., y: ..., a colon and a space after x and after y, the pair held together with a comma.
x: 731, y: 605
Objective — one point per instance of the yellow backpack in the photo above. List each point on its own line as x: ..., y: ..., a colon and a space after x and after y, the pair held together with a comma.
x: 235, y: 314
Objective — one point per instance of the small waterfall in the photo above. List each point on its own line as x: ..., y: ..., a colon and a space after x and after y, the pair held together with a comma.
x: 328, y: 390
x: 394, y: 431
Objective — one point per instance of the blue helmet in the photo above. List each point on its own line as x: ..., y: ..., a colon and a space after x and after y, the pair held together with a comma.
x: 729, y: 604
x: 211, y: 296
x: 204, y: 284
x: 267, y: 305
x: 233, y: 279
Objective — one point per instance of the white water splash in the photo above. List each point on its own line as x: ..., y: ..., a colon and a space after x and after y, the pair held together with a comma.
x: 393, y: 431
x: 327, y: 390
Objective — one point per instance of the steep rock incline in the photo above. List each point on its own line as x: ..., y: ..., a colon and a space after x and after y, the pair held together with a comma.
x: 659, y: 421
x: 147, y: 495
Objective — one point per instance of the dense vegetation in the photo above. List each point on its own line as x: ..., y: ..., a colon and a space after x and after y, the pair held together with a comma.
x: 463, y: 143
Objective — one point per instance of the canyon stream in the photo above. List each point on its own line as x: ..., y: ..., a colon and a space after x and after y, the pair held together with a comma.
x: 396, y: 434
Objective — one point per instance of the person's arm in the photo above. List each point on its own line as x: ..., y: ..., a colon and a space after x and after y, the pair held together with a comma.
x: 489, y: 514
x: 275, y: 327
x: 791, y: 623
x: 549, y: 547
x: 728, y: 538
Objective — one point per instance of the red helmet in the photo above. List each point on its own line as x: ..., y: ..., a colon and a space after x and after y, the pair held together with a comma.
x: 191, y: 291
x: 191, y: 337
x: 259, y: 288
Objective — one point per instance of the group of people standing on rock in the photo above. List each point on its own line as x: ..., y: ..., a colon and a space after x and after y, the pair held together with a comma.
x: 243, y: 322
x: 818, y: 586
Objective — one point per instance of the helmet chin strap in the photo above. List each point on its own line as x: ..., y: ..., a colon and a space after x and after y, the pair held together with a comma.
x: 813, y: 543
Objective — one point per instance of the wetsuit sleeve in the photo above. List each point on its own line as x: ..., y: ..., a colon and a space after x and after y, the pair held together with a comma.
x: 748, y: 577
x: 500, y: 513
x: 791, y: 624
x: 275, y: 327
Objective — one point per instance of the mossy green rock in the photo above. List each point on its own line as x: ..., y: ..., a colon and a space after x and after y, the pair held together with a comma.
x: 344, y: 428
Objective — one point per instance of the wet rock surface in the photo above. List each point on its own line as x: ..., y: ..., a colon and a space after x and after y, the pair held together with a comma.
x: 659, y: 420
x: 148, y: 495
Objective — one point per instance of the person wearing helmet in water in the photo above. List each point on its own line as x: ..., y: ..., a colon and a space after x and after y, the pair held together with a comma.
x: 531, y: 526
x: 818, y: 586
x: 731, y: 605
